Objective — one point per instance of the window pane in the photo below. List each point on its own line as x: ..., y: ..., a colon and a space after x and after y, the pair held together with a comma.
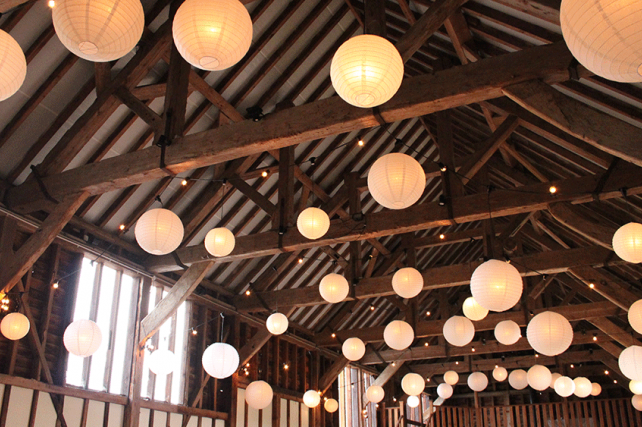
x: 121, y: 357
x: 103, y: 319
x: 179, y: 346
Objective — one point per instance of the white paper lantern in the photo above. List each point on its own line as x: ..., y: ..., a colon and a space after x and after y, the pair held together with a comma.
x: 596, y: 389
x: 473, y: 310
x: 627, y: 240
x: 445, y: 391
x: 13, y: 66
x: 518, y: 379
x: 219, y: 242
x: 311, y: 398
x: 334, y: 288
x: 564, y: 386
x: 412, y: 401
x: 496, y: 285
x: 583, y: 387
x: 99, y: 30
x: 451, y: 377
x: 398, y: 335
x: 162, y: 362
x: 375, y: 394
x: 407, y: 282
x: 554, y: 377
x: 637, y: 402
x: 258, y: 394
x: 313, y: 223
x: 477, y: 381
x: 331, y: 405
x: 396, y: 181
x: 212, y: 34
x: 353, y: 349
x: 635, y: 387
x: 603, y: 36
x: 507, y: 332
x: 14, y: 326
x: 635, y: 316
x: 549, y: 333
x: 500, y: 374
x: 630, y: 362
x: 277, y: 323
x: 159, y: 231
x: 220, y: 360
x: 82, y: 338
x: 539, y: 377
x: 413, y: 384
x: 459, y: 331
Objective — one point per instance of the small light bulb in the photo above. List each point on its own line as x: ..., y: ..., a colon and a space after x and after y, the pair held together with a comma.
x: 425, y: 344
x: 248, y: 292
x: 184, y: 182
x: 496, y: 366
x: 51, y: 4
x: 457, y: 362
x: 614, y: 381
x: 264, y: 174
x: 606, y: 372
x: 286, y: 366
x: 572, y: 366
x: 194, y: 332
x: 442, y: 167
x: 442, y: 236
x: 394, y: 363
x: 592, y: 285
x: 121, y: 227
x: 594, y: 337
x: 55, y: 285
x: 427, y: 313
x: 552, y: 189
x: 247, y: 365
x: 536, y: 355
x: 428, y: 380
x: 360, y: 143
x: 300, y: 260
x: 334, y: 335
x: 372, y: 308
x: 473, y: 349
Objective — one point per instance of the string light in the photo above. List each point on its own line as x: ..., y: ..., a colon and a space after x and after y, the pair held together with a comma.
x: 264, y: 174
x: 121, y: 227
x: 333, y: 335
x: 442, y: 236
x: 442, y: 167
x: 606, y: 372
x: 247, y: 365
x: 594, y: 337
x: 300, y: 260
x: 194, y: 332
x: 286, y: 366
x: 428, y: 313
x: 184, y: 182
x: 55, y: 285
x: 426, y: 344
x: 552, y: 189
x: 360, y: 143
x: 592, y: 285
x: 372, y: 308
x: 614, y: 381
x: 51, y: 4
x: 248, y: 292
x: 572, y: 366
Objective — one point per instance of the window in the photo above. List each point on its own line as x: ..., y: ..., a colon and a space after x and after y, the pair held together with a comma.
x: 353, y: 410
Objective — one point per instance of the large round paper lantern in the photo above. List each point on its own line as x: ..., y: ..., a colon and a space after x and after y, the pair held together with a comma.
x: 331, y: 405
x: 407, y: 282
x: 13, y: 66
x: 313, y: 223
x: 412, y: 384
x: 637, y: 402
x: 459, y: 331
x: 220, y: 360
x: 602, y: 35
x: 549, y: 333
x: 353, y: 349
x: 99, y: 30
x: 82, y: 338
x: 518, y: 379
x: 14, y: 326
x: 627, y: 240
x: 162, y: 362
x: 596, y: 389
x: 212, y: 34
x: 500, y: 374
x: 375, y: 394
x: 496, y: 285
x: 412, y: 401
x: 445, y: 391
x: 477, y: 381
x: 366, y: 71
x: 539, y: 377
x: 451, y: 377
x: 219, y: 242
x: 334, y: 288
x: 583, y: 387
x: 159, y: 231
x: 507, y: 332
x: 564, y: 386
x: 277, y: 323
x: 258, y: 394
x: 473, y: 310
x: 635, y: 387
x: 398, y: 335
x: 554, y: 377
x: 630, y: 362
x: 396, y: 181
x: 635, y: 316
x: 311, y: 398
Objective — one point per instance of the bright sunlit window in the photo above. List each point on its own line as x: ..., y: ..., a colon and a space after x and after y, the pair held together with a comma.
x: 354, y: 411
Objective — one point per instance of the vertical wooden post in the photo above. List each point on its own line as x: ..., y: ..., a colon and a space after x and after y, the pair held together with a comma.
x: 354, y: 201
x: 285, y: 206
x: 375, y: 17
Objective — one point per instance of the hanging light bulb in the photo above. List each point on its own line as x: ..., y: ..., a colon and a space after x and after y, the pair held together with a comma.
x: 219, y: 242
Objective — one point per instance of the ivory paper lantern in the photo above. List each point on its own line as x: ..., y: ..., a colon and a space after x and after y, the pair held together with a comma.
x: 637, y: 402
x: 398, y: 335
x: 334, y: 288
x: 583, y: 387
x: 162, y: 362
x: 219, y: 242
x: 412, y: 384
x: 212, y: 34
x: 630, y: 362
x: 496, y: 285
x: 507, y: 332
x: 500, y: 374
x: 258, y: 394
x: 331, y: 405
x: 353, y: 349
x: 396, y: 181
x: 277, y: 323
x: 375, y: 394
x: 549, y: 333
x: 311, y: 398
x: 451, y: 377
x: 554, y: 377
x: 564, y: 386
x: 518, y: 379
x: 82, y: 338
x: 596, y: 389
x: 627, y: 240
x: 477, y: 381
x: 159, y: 231
x: 445, y: 391
x: 603, y: 36
x: 635, y: 316
x: 412, y: 401
x: 220, y: 360
x: 99, y: 30
x: 635, y: 387
x: 473, y: 310
x: 13, y: 66
x: 407, y: 282
x: 313, y: 223
x: 459, y: 331
x: 366, y: 71
x: 539, y: 377
x: 14, y: 326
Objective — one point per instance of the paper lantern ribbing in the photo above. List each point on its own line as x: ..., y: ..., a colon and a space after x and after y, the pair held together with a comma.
x: 220, y: 360
x: 99, y: 30
x: 398, y: 335
x: 15, y: 326
x: 313, y: 223
x: 603, y: 36
x: 407, y: 282
x: 366, y: 71
x: 331, y: 405
x: 549, y: 333
x: 219, y: 242
x: 583, y: 387
x: 162, y: 362
x: 353, y: 349
x: 518, y: 379
x: 637, y: 402
x: 412, y: 401
x: 627, y: 240
x: 396, y: 181
x: 212, y: 34
x: 311, y: 398
x: 630, y: 362
x: 539, y: 377
x: 445, y: 391
x: 258, y: 394
x: 477, y: 381
x: 451, y: 377
x: 412, y: 384
x: 500, y: 374
x: 159, y: 231
x: 334, y: 288
x: 82, y: 338
x: 277, y: 323
x: 473, y: 310
x: 564, y: 386
x: 635, y: 316
x: 13, y: 66
x: 496, y: 285
x: 596, y: 389
x: 635, y: 387
x: 459, y: 331
x: 375, y: 394
x: 507, y: 332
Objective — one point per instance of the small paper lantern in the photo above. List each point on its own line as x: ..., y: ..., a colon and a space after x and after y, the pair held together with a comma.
x: 311, y: 398
x: 630, y: 362
x: 635, y: 316
x: 13, y: 66
x: 313, y: 223
x: 564, y: 386
x: 500, y: 374
x: 635, y: 387
x: 258, y: 394
x: 445, y: 391
x: 277, y: 323
x: 159, y: 231
x: 554, y: 377
x: 375, y: 394
x: 627, y: 240
x: 596, y: 389
x: 398, y: 335
x: 99, y: 30
x: 507, y: 332
x: 549, y: 333
x: 477, y: 381
x: 637, y: 402
x: 353, y: 349
x: 82, y: 338
x: 413, y: 384
x: 219, y: 242
x: 412, y: 401
x: 518, y: 379
x: 451, y: 377
x: 15, y: 326
x: 407, y: 282
x: 334, y: 288
x: 212, y: 34
x: 162, y: 362
x: 473, y: 310
x: 459, y: 331
x: 331, y: 405
x: 583, y: 387
x: 220, y: 360
x: 539, y: 377
x: 396, y: 181
x: 496, y: 285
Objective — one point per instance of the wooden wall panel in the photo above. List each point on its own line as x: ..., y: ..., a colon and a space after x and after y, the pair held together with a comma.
x: 176, y: 420
x: 284, y: 413
x: 19, y: 407
x: 160, y: 418
x: 143, y: 418
x: 45, y: 412
x: 95, y: 413
x: 240, y: 408
x: 72, y: 410
x: 267, y: 416
x: 294, y: 414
